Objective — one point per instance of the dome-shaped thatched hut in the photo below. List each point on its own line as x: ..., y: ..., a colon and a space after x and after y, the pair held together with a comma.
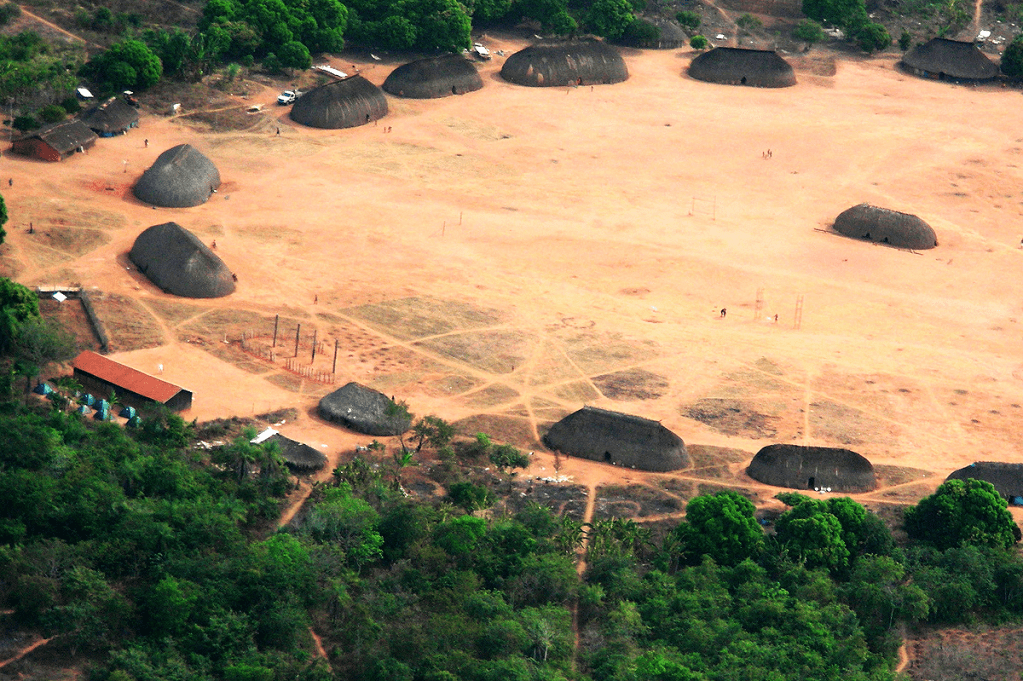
x: 181, y: 177
x: 591, y: 62
x: 364, y: 410
x: 736, y: 66
x: 299, y: 457
x: 1006, y: 477
x: 949, y: 60
x: 617, y: 438
x: 885, y: 226
x: 449, y: 74
x: 179, y: 263
x: 346, y: 103
x: 799, y: 467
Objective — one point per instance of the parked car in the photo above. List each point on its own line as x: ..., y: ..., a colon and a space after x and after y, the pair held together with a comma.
x: 287, y: 97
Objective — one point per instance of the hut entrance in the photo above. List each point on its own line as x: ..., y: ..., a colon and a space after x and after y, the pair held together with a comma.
x: 607, y: 457
x: 743, y: 81
x: 454, y: 90
x: 811, y: 485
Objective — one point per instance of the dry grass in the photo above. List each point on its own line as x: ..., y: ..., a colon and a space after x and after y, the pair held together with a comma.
x: 511, y: 429
x: 632, y: 384
x: 173, y: 311
x: 129, y: 325
x: 412, y: 318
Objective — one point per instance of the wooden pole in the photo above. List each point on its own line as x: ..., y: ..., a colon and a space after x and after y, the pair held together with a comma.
x: 277, y: 320
x: 313, y: 358
x: 334, y: 370
x: 298, y: 330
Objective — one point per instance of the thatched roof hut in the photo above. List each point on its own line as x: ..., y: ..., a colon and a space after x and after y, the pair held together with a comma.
x: 886, y: 226
x: 799, y: 467
x: 346, y: 103
x: 737, y: 66
x: 181, y: 177
x: 449, y: 74
x: 949, y: 60
x: 565, y: 63
x: 112, y: 117
x: 617, y: 438
x: 179, y: 263
x: 56, y: 141
x: 300, y: 458
x: 1006, y: 477
x: 364, y: 410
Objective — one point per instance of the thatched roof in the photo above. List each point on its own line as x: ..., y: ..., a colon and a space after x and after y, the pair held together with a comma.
x: 886, y: 226
x: 363, y: 410
x: 449, y: 74
x: 735, y: 66
x: 949, y: 59
x: 344, y: 103
x: 111, y: 117
x: 298, y: 457
x: 617, y: 438
x: 565, y: 63
x: 178, y: 262
x: 1006, y: 477
x: 180, y: 177
x: 799, y: 467
x: 64, y: 137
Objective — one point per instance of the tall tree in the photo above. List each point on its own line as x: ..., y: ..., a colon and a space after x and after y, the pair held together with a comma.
x: 961, y: 513
x: 721, y: 526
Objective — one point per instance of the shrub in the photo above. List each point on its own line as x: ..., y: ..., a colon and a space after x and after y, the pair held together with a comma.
x: 905, y: 40
x: 699, y: 42
x: 9, y: 11
x: 641, y: 32
x: 749, y: 23
x: 71, y: 105
x: 1012, y: 58
x: 808, y: 31
x: 873, y: 38
x: 25, y: 123
x: 690, y: 21
x: 52, y: 113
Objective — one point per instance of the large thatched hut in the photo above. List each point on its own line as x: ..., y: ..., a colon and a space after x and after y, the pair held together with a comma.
x: 798, y: 467
x: 617, y: 438
x: 365, y: 410
x: 1006, y: 477
x: 590, y: 62
x: 179, y: 263
x: 449, y: 74
x: 949, y: 60
x: 299, y: 457
x: 181, y: 177
x: 885, y: 226
x: 111, y: 117
x: 736, y: 66
x: 346, y: 103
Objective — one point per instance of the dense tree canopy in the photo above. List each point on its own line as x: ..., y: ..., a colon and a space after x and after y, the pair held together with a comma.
x: 128, y: 64
x: 963, y: 513
x: 849, y: 15
x: 723, y: 527
x: 1012, y: 58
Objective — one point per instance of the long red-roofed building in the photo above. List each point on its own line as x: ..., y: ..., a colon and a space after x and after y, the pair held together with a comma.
x: 102, y: 375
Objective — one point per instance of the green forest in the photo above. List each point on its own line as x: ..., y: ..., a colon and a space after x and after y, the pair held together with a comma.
x: 148, y: 557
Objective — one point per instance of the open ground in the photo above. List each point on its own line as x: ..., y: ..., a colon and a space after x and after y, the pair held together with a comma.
x: 504, y: 257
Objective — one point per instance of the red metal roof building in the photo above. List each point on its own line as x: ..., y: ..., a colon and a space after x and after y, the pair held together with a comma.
x: 102, y: 374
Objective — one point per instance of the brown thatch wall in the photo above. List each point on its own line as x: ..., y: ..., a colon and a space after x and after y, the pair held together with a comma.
x: 949, y: 60
x: 299, y: 457
x: 799, y: 467
x: 181, y: 177
x: 1006, y: 477
x: 363, y: 410
x: 617, y: 438
x: 346, y: 103
x: 179, y: 263
x: 565, y: 63
x: 734, y: 66
x: 886, y: 226
x: 443, y: 76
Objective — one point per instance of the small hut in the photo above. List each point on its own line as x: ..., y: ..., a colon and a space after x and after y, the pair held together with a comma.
x: 112, y: 117
x: 449, y: 74
x: 885, y: 226
x: 344, y: 103
x: 1006, y: 477
x: 738, y: 66
x: 585, y: 62
x: 57, y: 141
x: 796, y: 467
x: 619, y: 439
x: 300, y: 458
x: 181, y: 177
x: 364, y: 410
x: 179, y: 263
x: 953, y: 60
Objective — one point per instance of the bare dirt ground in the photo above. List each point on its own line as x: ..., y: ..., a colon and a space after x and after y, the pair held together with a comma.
x: 504, y: 257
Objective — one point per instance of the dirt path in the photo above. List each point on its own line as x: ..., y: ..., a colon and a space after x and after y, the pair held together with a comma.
x: 903, y: 658
x: 58, y: 29
x: 319, y: 646
x: 25, y: 651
